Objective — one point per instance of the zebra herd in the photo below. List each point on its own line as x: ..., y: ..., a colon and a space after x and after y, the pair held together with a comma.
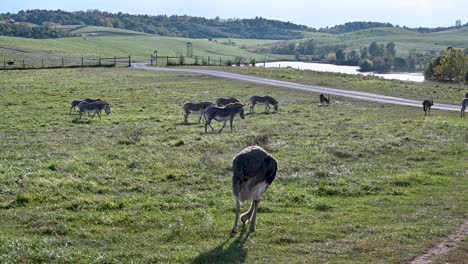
x: 225, y: 109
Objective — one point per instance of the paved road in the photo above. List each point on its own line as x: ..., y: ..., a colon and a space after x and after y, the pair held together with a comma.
x: 303, y: 87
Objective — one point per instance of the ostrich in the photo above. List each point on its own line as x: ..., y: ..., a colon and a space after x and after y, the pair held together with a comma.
x: 253, y: 171
x: 427, y: 106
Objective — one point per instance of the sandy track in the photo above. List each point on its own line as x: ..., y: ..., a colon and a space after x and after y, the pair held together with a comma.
x: 443, y: 248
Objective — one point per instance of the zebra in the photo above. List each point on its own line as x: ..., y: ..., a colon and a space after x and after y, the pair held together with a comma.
x: 266, y: 100
x: 427, y: 106
x: 464, y: 105
x: 195, y: 108
x: 220, y: 102
x: 75, y: 103
x: 94, y: 108
x: 223, y: 114
x: 253, y: 171
x: 324, y: 99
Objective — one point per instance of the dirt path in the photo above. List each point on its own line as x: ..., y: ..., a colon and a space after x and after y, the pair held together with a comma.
x: 303, y: 87
x: 443, y: 248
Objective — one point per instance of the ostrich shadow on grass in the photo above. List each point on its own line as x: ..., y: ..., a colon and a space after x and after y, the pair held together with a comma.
x: 225, y: 252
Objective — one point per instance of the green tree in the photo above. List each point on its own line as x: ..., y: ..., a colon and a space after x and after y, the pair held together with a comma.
x: 366, y: 65
x: 453, y: 66
x: 376, y: 50
x: 340, y: 56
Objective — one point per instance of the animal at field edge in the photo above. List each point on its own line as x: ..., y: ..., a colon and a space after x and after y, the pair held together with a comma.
x: 464, y: 104
x: 324, y: 99
x: 253, y: 172
x: 427, y: 104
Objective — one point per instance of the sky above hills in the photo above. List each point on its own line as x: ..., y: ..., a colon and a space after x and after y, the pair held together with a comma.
x: 313, y: 13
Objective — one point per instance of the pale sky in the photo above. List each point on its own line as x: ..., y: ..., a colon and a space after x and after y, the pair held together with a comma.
x: 411, y: 13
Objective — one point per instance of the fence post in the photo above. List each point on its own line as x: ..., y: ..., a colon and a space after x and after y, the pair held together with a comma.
x: 264, y: 64
x: 208, y: 60
x: 167, y: 62
x: 129, y: 61
x: 253, y: 64
x: 151, y: 59
x: 62, y: 62
x: 115, y: 60
x: 219, y: 61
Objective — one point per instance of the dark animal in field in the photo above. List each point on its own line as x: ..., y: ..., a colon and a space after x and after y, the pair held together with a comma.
x: 223, y: 114
x: 464, y: 105
x: 75, y: 103
x: 10, y: 62
x: 195, y: 108
x: 94, y: 108
x: 427, y: 104
x: 220, y: 102
x: 253, y: 171
x: 265, y: 100
x: 324, y: 99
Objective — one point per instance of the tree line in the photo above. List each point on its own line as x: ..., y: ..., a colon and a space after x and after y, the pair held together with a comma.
x: 27, y: 31
x: 449, y: 67
x: 177, y: 26
x: 361, y: 25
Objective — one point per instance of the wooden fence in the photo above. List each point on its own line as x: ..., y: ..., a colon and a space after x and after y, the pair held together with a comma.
x: 64, y: 62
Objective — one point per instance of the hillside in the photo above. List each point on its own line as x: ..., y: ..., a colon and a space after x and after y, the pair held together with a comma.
x: 175, y: 26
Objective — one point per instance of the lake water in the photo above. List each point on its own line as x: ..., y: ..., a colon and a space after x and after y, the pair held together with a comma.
x: 322, y: 67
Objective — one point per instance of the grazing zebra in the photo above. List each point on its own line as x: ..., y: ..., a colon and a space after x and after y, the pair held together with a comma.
x: 94, y: 108
x: 75, y: 103
x: 324, y: 99
x: 464, y: 105
x: 427, y: 106
x: 222, y: 114
x: 266, y: 100
x: 195, y: 108
x: 220, y: 102
x: 253, y: 171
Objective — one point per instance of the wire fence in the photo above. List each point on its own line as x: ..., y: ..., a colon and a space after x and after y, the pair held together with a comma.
x: 63, y: 62
x: 156, y: 60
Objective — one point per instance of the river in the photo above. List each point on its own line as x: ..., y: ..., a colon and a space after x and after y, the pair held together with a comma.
x: 323, y: 67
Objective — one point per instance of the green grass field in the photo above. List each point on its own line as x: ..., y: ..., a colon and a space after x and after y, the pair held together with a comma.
x: 140, y: 47
x: 358, y: 182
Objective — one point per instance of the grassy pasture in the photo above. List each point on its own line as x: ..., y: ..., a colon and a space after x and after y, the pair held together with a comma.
x: 139, y: 46
x: 358, y: 182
